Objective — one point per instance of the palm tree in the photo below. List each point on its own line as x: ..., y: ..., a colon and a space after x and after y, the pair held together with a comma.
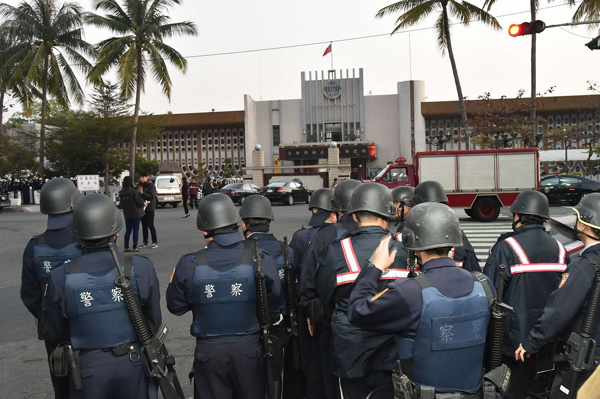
x: 140, y: 28
x: 51, y: 36
x: 416, y: 10
x: 587, y: 10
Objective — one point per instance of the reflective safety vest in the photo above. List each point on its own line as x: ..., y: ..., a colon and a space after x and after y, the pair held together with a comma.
x: 47, y: 258
x: 224, y: 300
x: 96, y: 309
x: 448, y: 350
x: 525, y: 266
x: 354, y: 267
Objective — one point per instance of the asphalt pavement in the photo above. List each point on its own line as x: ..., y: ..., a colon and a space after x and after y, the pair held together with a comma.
x: 24, y: 370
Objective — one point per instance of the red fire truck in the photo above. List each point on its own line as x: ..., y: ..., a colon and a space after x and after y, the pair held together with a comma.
x: 480, y: 181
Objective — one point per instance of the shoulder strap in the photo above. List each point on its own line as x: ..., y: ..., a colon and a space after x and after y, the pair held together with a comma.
x: 200, y: 257
x: 594, y: 261
x: 73, y: 266
x: 128, y: 266
x: 41, y: 239
x: 485, y: 283
x: 423, y: 281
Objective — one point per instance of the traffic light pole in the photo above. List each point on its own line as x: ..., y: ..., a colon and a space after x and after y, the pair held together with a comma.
x: 596, y: 21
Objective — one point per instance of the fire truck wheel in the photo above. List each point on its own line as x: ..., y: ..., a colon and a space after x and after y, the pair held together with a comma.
x: 486, y: 209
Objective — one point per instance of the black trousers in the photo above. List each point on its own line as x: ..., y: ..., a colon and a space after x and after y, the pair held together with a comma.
x: 194, y: 201
x: 185, y: 204
x: 148, y: 224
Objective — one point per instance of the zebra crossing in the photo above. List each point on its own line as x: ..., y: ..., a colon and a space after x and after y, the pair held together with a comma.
x: 484, y: 235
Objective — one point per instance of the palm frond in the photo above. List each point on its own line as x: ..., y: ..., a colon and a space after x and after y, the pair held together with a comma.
x: 178, y: 29
x: 467, y: 12
x: 159, y: 70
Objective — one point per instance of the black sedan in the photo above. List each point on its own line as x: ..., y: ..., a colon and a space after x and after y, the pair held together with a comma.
x: 239, y: 191
x: 567, y: 189
x: 288, y: 193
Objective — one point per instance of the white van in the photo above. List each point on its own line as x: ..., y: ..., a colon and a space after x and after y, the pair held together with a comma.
x: 168, y: 190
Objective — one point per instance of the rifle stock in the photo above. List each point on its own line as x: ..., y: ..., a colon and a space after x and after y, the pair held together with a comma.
x: 291, y: 304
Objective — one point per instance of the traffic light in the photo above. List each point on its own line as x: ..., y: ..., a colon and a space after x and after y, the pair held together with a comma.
x: 526, y: 28
x: 594, y: 44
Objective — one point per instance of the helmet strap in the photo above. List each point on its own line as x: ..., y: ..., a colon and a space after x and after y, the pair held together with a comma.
x: 515, y: 222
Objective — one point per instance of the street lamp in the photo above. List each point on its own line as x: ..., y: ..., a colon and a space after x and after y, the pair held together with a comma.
x: 439, y: 140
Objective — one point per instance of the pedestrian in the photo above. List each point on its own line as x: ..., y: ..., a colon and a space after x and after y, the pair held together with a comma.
x: 132, y: 204
x: 362, y: 359
x: 148, y: 192
x: 403, y: 200
x: 534, y: 265
x: 320, y: 328
x: 218, y: 285
x: 185, y: 193
x: 194, y: 188
x: 567, y: 307
x: 464, y: 256
x: 335, y: 182
x: 443, y: 299
x: 87, y: 309
x: 46, y: 252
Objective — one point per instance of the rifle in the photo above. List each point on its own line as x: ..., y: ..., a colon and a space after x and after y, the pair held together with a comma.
x: 291, y: 304
x: 499, y: 311
x: 264, y: 320
x: 411, y: 264
x: 159, y: 364
x: 403, y: 386
x: 581, y: 347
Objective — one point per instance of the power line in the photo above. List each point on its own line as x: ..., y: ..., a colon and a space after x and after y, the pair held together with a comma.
x: 575, y: 34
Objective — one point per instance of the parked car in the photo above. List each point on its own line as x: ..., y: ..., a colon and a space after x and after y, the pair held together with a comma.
x: 168, y: 190
x: 286, y: 192
x: 567, y: 189
x: 239, y: 191
x: 4, y: 200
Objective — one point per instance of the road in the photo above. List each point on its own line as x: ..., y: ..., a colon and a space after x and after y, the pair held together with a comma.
x: 24, y: 371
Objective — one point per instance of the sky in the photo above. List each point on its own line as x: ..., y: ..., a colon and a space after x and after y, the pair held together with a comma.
x: 488, y: 60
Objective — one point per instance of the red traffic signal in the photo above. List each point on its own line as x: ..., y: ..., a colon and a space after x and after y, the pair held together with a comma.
x: 526, y: 28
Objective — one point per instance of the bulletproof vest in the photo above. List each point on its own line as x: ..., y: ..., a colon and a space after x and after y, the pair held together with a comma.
x: 447, y: 353
x: 96, y: 309
x: 224, y: 300
x: 47, y: 258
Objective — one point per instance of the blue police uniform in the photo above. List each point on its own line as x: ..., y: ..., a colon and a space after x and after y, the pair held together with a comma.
x: 217, y: 285
x: 87, y: 308
x: 362, y: 359
x: 534, y: 264
x: 42, y: 254
x: 564, y: 313
x: 446, y: 301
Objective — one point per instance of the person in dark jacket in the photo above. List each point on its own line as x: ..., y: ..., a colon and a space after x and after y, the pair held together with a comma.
x: 567, y: 306
x: 148, y: 192
x: 132, y: 204
x: 185, y: 194
x: 534, y: 264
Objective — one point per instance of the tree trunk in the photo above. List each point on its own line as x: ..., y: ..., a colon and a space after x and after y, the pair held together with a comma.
x: 106, y: 169
x: 461, y: 100
x: 1, y: 120
x: 43, y: 119
x: 533, y: 70
x: 136, y: 115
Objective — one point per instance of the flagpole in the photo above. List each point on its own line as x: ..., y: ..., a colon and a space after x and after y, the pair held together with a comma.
x: 331, y: 44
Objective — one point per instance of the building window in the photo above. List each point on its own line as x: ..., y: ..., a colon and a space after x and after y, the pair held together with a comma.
x: 276, y: 135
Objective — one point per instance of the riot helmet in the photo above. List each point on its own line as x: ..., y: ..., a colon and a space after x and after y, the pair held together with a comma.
x: 215, y: 211
x: 322, y: 198
x: 343, y: 193
x: 374, y: 198
x: 588, y: 213
x: 429, y: 191
x: 431, y: 225
x: 95, y: 216
x: 531, y: 203
x: 256, y: 207
x: 58, y: 196
x: 404, y: 195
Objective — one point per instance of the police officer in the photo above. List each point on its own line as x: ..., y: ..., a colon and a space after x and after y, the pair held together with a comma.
x: 432, y: 191
x: 87, y: 308
x: 362, y: 359
x: 47, y: 251
x: 568, y: 304
x: 534, y: 264
x: 403, y: 199
x: 443, y: 299
x: 309, y: 301
x: 217, y: 285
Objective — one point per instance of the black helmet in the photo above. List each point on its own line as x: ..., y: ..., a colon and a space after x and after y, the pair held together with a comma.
x: 588, y: 210
x: 216, y: 211
x: 431, y: 225
x: 256, y: 207
x: 531, y: 203
x: 375, y: 198
x: 430, y: 191
x: 404, y: 194
x: 343, y: 193
x: 322, y: 199
x: 58, y: 196
x: 95, y: 216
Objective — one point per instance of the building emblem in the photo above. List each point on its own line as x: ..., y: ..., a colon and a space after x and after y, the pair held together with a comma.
x: 332, y: 90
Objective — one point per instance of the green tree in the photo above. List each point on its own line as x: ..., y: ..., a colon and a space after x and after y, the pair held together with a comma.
x: 413, y: 11
x: 53, y: 36
x: 587, y: 10
x: 150, y: 167
x: 140, y: 28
